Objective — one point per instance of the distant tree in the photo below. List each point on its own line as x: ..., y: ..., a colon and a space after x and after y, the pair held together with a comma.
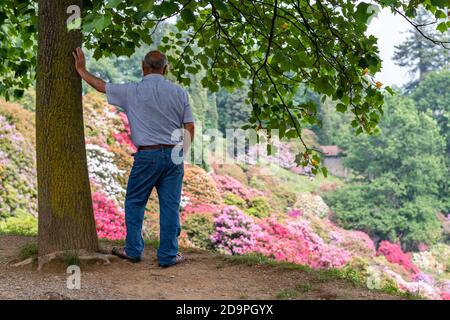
x: 433, y: 95
x: 419, y: 54
x: 395, y: 193
x: 233, y: 109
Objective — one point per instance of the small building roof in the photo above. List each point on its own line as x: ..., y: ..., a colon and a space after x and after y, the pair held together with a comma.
x: 331, y: 151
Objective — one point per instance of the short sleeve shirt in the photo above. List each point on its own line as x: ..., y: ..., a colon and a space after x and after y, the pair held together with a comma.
x: 155, y: 108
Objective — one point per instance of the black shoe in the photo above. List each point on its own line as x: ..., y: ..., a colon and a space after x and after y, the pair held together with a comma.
x: 120, y: 252
x: 179, y: 258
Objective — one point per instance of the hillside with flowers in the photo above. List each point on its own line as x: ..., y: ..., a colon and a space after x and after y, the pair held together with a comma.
x: 274, y: 211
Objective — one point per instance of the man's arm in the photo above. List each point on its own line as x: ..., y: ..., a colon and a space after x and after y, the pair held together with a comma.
x: 189, y: 132
x: 80, y: 65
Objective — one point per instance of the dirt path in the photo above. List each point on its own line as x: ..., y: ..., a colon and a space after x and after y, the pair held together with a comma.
x: 204, y: 276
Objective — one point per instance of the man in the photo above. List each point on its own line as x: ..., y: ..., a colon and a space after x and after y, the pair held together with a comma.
x: 156, y: 109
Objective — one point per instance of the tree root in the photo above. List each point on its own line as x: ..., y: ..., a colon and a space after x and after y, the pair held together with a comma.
x: 82, y: 255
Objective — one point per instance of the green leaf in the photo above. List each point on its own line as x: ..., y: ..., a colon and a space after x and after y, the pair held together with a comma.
x: 147, y: 5
x: 442, y: 27
x: 18, y: 93
x: 340, y: 107
x: 102, y: 22
x: 168, y: 8
x: 113, y: 3
x: 188, y: 16
x: 325, y: 171
x: 439, y: 3
x: 362, y: 13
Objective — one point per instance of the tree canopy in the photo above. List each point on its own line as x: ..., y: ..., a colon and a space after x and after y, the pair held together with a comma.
x: 276, y: 45
x: 398, y: 177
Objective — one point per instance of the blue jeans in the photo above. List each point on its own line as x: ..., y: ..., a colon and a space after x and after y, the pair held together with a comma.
x: 154, y: 168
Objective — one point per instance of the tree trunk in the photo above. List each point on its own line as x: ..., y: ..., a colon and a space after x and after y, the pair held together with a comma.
x: 66, y: 219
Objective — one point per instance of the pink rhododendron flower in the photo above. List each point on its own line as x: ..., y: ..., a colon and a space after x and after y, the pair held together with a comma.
x: 227, y: 183
x: 123, y: 138
x: 295, y: 213
x: 394, y: 254
x: 109, y: 218
x: 234, y: 231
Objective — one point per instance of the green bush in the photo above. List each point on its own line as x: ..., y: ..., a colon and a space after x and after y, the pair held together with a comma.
x: 258, y: 207
x: 23, y: 224
x: 234, y: 200
x: 199, y: 227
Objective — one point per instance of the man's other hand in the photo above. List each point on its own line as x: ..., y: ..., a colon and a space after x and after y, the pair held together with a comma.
x: 80, y: 61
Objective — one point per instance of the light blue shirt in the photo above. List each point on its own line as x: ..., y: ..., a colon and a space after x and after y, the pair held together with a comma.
x: 155, y: 108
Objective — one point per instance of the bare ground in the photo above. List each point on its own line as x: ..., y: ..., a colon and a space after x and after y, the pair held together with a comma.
x: 204, y: 275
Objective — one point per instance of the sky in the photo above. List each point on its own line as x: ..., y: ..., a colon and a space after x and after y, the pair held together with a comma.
x: 390, y: 31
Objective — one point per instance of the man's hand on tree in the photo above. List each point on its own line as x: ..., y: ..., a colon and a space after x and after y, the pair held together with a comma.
x: 80, y: 61
x: 80, y: 64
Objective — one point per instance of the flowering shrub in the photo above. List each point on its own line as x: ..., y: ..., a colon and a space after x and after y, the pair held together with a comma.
x: 426, y: 261
x: 109, y: 218
x: 295, y: 213
x: 282, y: 156
x: 184, y: 201
x: 200, y: 186
x: 297, y: 243
x: 395, y: 254
x: 234, y: 231
x: 226, y: 183
x: 200, y: 208
x: 123, y: 137
x: 312, y: 204
x: 357, y: 242
x: 103, y: 170
x: 258, y: 207
x: 17, y: 172
x: 23, y: 224
x: 445, y: 295
x: 199, y: 228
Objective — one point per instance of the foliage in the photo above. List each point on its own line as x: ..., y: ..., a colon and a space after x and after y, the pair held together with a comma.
x: 226, y: 183
x: 419, y: 54
x: 233, y: 170
x: 233, y: 231
x: 23, y: 224
x: 432, y: 95
x: 233, y: 109
x: 398, y: 174
x: 29, y: 250
x: 258, y: 207
x: 296, y: 242
x: 102, y: 170
x: 312, y: 204
x: 109, y: 218
x: 231, y: 199
x: 200, y: 186
x: 17, y: 171
x: 199, y: 228
x: 276, y: 45
x: 394, y: 254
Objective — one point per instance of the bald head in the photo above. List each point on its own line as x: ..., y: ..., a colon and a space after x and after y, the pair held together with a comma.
x: 154, y: 62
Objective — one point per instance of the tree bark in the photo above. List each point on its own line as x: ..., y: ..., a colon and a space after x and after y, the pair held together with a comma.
x: 66, y: 219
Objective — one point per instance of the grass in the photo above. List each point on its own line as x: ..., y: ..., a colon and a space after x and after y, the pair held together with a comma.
x: 353, y: 276
x: 71, y: 259
x: 29, y: 250
x: 288, y: 294
x: 300, y: 183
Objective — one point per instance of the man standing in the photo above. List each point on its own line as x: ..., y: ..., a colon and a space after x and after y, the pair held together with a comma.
x: 156, y: 109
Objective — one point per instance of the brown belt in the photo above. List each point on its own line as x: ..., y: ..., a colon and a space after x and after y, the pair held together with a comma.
x: 155, y: 147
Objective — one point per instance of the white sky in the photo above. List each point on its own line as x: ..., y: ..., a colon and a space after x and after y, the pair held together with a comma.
x: 390, y: 31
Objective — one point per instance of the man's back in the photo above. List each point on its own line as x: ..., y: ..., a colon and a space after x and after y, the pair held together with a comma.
x: 155, y: 108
